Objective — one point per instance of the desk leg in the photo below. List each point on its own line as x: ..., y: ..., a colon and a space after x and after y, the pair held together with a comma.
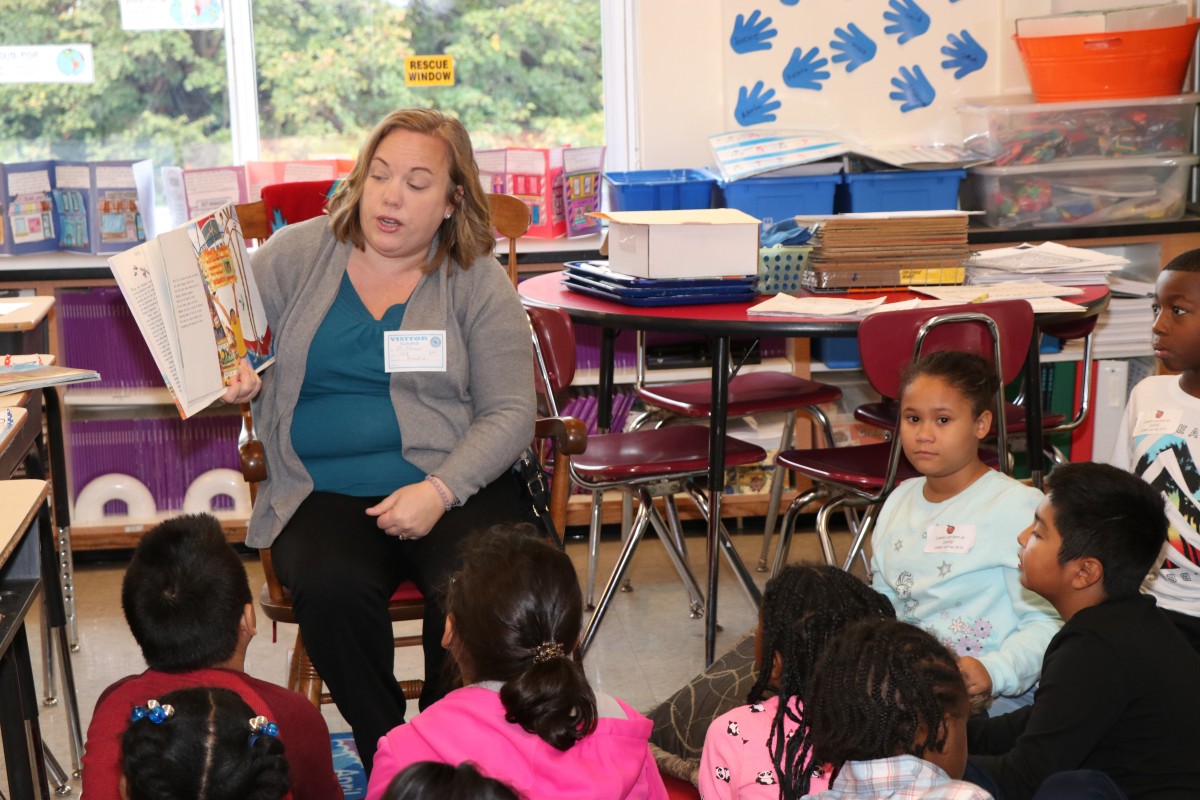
x: 1033, y: 410
x: 716, y: 487
x: 19, y: 724
x: 62, y: 505
x: 604, y: 391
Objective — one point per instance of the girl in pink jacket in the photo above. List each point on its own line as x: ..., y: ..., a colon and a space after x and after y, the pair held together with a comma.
x: 526, y: 714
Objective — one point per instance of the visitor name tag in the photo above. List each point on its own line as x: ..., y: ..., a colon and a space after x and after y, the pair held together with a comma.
x: 414, y: 351
x: 1161, y: 420
x: 949, y: 538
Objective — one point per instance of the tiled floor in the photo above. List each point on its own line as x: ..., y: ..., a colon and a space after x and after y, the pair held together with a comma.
x: 646, y: 648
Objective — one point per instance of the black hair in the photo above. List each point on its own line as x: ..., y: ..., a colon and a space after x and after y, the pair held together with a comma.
x: 969, y: 373
x: 432, y: 780
x: 882, y: 688
x: 802, y: 607
x: 205, y: 749
x: 1111, y: 515
x: 1185, y: 262
x: 517, y: 611
x: 184, y: 593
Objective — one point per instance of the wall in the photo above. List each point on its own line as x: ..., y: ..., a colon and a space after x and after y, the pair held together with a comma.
x: 688, y: 75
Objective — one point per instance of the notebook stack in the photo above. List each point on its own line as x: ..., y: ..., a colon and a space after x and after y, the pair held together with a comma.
x: 594, y: 278
x: 870, y: 252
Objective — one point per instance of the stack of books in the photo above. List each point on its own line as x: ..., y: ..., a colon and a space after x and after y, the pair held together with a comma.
x: 892, y: 250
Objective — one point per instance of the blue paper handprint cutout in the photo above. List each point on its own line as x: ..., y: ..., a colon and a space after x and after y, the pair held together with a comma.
x: 806, y: 71
x: 794, y: 2
x: 853, y: 47
x: 964, y: 55
x: 915, y: 91
x: 755, y: 106
x: 907, y: 18
x: 752, y: 34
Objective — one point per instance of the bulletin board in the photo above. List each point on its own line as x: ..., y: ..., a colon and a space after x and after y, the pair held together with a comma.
x: 889, y: 72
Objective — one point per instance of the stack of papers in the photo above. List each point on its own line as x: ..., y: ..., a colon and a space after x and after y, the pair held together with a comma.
x: 1124, y: 329
x: 23, y: 373
x: 885, y: 250
x: 1050, y: 262
x: 1043, y: 297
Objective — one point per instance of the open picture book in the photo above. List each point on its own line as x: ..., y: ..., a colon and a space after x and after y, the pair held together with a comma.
x: 197, y: 306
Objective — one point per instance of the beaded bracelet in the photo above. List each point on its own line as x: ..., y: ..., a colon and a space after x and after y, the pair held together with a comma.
x: 447, y: 500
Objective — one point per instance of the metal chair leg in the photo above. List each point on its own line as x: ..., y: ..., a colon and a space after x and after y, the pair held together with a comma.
x: 594, y: 546
x: 635, y: 535
x: 789, y: 524
x: 49, y: 671
x: 626, y: 524
x: 71, y: 699
x: 670, y: 541
x: 57, y: 775
x: 823, y: 533
x: 860, y: 536
x: 777, y: 480
x: 731, y: 554
x: 676, y: 527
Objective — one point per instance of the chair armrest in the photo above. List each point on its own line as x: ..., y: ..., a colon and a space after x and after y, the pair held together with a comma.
x: 569, y: 434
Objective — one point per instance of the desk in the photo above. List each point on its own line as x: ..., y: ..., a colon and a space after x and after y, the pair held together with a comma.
x: 721, y: 321
x: 20, y: 583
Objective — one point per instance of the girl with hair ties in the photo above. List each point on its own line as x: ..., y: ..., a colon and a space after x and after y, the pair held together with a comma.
x: 201, y: 742
x: 525, y: 714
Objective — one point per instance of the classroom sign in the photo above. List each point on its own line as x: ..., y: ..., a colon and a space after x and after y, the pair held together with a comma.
x: 429, y: 70
x: 171, y: 15
x: 48, y: 63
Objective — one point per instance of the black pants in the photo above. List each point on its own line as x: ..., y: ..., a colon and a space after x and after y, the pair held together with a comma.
x: 342, y: 569
x: 1188, y: 625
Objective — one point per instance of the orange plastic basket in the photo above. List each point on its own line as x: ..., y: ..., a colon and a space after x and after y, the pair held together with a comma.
x: 1096, y: 66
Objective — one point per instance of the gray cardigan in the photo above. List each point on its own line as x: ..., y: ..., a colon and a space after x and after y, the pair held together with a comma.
x: 467, y: 424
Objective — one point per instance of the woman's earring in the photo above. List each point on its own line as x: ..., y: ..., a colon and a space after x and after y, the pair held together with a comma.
x: 448, y: 214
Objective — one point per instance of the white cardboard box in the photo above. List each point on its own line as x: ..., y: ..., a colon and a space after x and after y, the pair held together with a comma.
x: 696, y: 243
x: 1066, y: 6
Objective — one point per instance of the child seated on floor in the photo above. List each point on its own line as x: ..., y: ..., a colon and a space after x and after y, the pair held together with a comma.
x: 526, y: 714
x: 1114, y: 716
x: 1158, y: 440
x: 201, y: 742
x: 187, y: 601
x: 751, y: 751
x: 888, y: 712
x: 431, y: 780
x: 942, y: 549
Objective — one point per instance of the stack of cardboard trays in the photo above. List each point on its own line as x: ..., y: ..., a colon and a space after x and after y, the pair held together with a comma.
x: 888, y: 250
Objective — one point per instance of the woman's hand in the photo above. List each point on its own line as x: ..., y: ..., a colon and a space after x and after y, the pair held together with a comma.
x: 244, y: 386
x: 410, y: 512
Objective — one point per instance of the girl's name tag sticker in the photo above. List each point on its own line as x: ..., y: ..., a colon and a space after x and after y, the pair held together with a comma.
x: 949, y: 538
x: 1157, y: 421
x: 414, y: 351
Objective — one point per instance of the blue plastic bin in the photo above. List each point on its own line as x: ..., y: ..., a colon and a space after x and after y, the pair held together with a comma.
x: 660, y: 189
x: 775, y: 199
x: 905, y: 190
x: 838, y: 352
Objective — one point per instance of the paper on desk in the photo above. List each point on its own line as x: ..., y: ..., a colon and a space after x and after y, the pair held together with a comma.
x: 1010, y: 290
x: 787, y: 305
x: 1040, y: 305
x: 1047, y: 257
x: 9, y: 306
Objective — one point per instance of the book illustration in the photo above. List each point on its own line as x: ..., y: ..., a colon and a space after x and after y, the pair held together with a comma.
x: 195, y: 302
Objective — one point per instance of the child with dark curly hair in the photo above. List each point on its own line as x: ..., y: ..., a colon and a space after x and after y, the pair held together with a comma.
x: 432, y: 780
x: 753, y: 751
x: 201, y: 742
x: 888, y: 712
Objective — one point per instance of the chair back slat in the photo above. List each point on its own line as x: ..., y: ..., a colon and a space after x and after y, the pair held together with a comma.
x: 886, y: 341
x: 554, y: 349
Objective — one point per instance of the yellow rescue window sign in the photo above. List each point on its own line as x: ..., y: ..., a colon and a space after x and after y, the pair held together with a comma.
x: 429, y: 70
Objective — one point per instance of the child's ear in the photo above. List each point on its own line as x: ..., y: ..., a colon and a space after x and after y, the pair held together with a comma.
x: 983, y: 423
x: 249, y: 621
x: 776, y: 668
x: 1088, y: 572
x: 448, y: 632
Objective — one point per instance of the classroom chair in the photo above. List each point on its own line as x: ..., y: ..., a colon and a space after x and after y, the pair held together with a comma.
x: 648, y: 463
x: 863, y: 476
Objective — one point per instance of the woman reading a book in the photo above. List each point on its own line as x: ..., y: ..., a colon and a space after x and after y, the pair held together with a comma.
x: 401, y: 395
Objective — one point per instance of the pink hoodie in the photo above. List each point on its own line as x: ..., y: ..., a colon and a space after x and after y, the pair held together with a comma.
x: 468, y: 724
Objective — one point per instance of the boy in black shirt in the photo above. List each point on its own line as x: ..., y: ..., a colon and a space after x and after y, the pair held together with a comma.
x: 1118, y: 707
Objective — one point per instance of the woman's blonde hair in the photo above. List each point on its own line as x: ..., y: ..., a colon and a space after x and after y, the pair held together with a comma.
x: 462, y: 238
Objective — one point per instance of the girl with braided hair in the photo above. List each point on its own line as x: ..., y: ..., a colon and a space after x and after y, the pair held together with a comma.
x: 756, y: 750
x: 202, y: 743
x: 525, y: 714
x: 888, y: 712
